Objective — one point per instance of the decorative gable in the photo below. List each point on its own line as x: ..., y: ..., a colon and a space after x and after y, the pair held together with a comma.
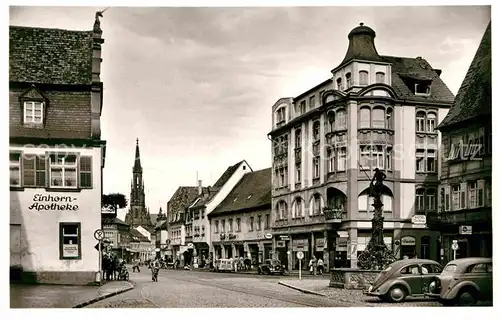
x: 33, y: 106
x: 33, y: 94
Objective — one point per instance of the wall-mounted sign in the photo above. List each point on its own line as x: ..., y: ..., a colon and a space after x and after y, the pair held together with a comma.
x: 190, y: 245
x: 408, y: 241
x: 284, y: 237
x: 280, y: 244
x: 268, y: 236
x: 419, y: 219
x: 342, y: 234
x: 300, y: 245
x: 465, y: 230
x: 320, y: 244
x: 53, y: 203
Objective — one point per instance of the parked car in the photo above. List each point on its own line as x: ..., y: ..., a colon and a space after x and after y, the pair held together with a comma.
x: 271, y: 266
x: 223, y: 265
x: 403, y: 278
x: 464, y: 282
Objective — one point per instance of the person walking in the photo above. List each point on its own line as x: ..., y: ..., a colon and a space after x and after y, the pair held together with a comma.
x: 155, y: 269
x: 136, y: 265
x: 320, y: 266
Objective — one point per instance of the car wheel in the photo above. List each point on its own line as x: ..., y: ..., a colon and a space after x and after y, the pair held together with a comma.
x: 397, y: 294
x: 467, y: 297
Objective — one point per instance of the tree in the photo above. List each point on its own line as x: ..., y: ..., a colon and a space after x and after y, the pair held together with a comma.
x: 113, y: 201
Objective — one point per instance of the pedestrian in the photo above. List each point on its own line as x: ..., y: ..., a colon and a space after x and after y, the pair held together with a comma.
x: 155, y: 269
x: 311, y: 266
x: 320, y: 266
x: 136, y: 265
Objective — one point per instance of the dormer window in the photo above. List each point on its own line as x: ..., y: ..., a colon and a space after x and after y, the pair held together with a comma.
x: 33, y: 112
x: 422, y: 89
x: 280, y: 116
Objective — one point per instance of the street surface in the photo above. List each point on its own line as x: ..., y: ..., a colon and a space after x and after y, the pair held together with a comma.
x: 191, y: 289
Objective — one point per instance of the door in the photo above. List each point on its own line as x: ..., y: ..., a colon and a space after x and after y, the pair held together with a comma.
x: 428, y: 272
x: 411, y: 275
x: 15, y: 244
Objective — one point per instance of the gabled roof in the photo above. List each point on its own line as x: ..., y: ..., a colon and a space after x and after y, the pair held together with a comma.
x: 50, y: 56
x: 181, y: 199
x: 473, y: 99
x: 136, y: 236
x: 417, y: 69
x: 252, y: 191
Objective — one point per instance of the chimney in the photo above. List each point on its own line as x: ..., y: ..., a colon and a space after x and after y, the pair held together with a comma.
x: 200, y: 188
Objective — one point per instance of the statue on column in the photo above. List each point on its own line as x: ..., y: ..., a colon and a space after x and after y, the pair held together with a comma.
x: 376, y: 255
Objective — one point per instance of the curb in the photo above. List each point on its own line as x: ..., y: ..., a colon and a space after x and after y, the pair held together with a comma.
x: 104, y: 296
x: 301, y: 290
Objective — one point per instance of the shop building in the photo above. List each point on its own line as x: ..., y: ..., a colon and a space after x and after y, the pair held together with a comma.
x: 116, y: 235
x: 56, y: 153
x: 374, y: 111
x: 241, y: 223
x: 465, y: 198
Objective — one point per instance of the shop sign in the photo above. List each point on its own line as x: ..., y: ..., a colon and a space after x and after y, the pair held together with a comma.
x: 419, y: 219
x: 408, y: 241
x: 320, y: 244
x: 268, y: 236
x: 53, y: 203
x: 465, y: 230
x: 280, y: 244
x: 300, y: 245
x: 342, y: 234
x: 70, y: 250
x: 285, y: 238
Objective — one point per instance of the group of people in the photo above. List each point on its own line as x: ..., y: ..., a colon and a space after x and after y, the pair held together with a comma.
x: 316, y: 265
x: 113, y: 268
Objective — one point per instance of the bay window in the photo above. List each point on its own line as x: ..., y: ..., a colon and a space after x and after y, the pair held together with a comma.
x: 364, y: 117
x: 378, y: 115
x: 342, y: 159
x: 340, y: 123
x: 363, y: 78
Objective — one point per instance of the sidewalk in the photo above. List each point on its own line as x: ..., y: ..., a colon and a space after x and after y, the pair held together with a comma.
x: 61, y: 296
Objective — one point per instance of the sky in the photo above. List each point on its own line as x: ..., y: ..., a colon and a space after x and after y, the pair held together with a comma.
x: 196, y: 85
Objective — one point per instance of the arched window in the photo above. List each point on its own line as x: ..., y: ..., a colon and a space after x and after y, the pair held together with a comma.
x: 339, y: 84
x: 316, y: 126
x: 281, y: 210
x: 378, y: 116
x: 348, y: 80
x: 316, y: 204
x: 420, y: 200
x: 364, y: 117
x: 420, y: 124
x: 331, y: 120
x: 380, y: 77
x: 389, y: 119
x: 363, y: 78
x: 431, y: 122
x: 340, y: 120
x: 330, y: 154
x: 298, y: 138
x: 280, y: 115
x: 298, y: 208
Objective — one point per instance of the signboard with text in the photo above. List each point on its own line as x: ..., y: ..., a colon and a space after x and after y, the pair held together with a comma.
x: 70, y: 250
x: 408, y: 241
x: 53, y: 203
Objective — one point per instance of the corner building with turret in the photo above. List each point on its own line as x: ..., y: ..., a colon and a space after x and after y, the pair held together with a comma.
x: 374, y: 111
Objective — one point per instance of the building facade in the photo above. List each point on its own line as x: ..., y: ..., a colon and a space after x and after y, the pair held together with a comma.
x: 56, y: 153
x: 117, y: 234
x: 373, y: 112
x: 465, y: 199
x: 241, y: 223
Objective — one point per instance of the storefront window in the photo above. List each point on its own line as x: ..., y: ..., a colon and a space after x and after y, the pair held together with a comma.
x: 69, y: 245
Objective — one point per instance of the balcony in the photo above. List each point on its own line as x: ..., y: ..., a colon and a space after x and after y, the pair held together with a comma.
x: 334, y: 215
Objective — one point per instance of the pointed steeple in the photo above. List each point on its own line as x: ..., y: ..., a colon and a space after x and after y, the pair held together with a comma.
x: 137, y: 162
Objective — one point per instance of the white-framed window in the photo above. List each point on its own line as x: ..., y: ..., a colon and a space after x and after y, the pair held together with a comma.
x: 431, y: 122
x: 476, y: 194
x: 365, y: 157
x: 298, y: 208
x: 378, y: 157
x: 238, y: 224
x: 316, y: 167
x: 312, y: 102
x: 380, y: 77
x: 63, y: 171
x: 420, y: 122
x: 331, y: 160
x: 298, y: 138
x: 378, y: 117
x: 223, y: 226
x: 282, y: 214
x: 33, y: 112
x: 340, y: 120
x: 457, y: 199
x: 339, y: 84
x: 364, y: 117
x: 389, y: 119
x: 298, y: 172
x: 280, y: 115
x: 342, y: 158
x: 363, y: 78
x: 420, y: 200
x: 348, y: 80
x: 420, y: 160
x: 69, y: 244
x: 431, y: 199
x: 316, y: 126
x: 388, y: 158
x: 431, y: 160
x: 15, y: 169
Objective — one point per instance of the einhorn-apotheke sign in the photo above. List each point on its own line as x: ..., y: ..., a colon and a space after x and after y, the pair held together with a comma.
x: 53, y: 203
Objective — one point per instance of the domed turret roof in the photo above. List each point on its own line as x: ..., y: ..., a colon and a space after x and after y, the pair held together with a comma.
x: 361, y: 29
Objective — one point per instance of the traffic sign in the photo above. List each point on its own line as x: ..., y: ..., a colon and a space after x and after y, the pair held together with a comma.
x: 99, y: 235
x: 97, y: 246
x: 300, y: 255
x: 454, y: 246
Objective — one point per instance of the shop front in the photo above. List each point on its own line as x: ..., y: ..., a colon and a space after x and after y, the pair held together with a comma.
x: 423, y: 244
x: 201, y: 254
x: 472, y: 240
x: 300, y: 245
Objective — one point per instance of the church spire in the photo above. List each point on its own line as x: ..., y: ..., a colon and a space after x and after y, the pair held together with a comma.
x: 137, y: 162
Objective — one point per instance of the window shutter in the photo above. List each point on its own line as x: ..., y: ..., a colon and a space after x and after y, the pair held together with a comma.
x: 28, y: 163
x: 480, y: 193
x: 463, y: 193
x: 41, y: 171
x: 447, y: 192
x: 85, y: 172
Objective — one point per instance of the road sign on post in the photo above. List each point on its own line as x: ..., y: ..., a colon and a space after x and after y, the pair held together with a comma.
x: 454, y: 247
x: 99, y: 236
x: 300, y: 256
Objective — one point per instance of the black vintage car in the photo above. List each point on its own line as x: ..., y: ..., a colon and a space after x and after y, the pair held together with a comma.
x: 271, y: 266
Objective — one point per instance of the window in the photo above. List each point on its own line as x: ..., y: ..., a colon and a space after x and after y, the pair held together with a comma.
x: 223, y: 226
x: 365, y: 157
x: 33, y: 112
x: 428, y: 268
x: 267, y: 224
x: 431, y: 160
x: 380, y: 77
x: 431, y: 122
x: 230, y: 225
x: 331, y: 160
x: 33, y: 170
x: 63, y: 171
x: 85, y: 166
x: 420, y: 158
x: 422, y: 89
x: 216, y: 227
x: 282, y: 214
x: 378, y: 117
x: 69, y: 240
x: 476, y: 194
x: 419, y: 200
x: 420, y: 124
x: 298, y: 172
x: 317, y: 204
x: 298, y: 138
x: 458, y: 197
x: 312, y: 102
x: 316, y: 167
x: 431, y: 200
x: 202, y: 230
x: 388, y: 158
x: 250, y: 227
x: 342, y: 159
x: 348, y: 80
x: 378, y: 157
x: 280, y: 115
x: 298, y: 208
x: 480, y: 268
x: 363, y: 78
x: 413, y: 269
x: 259, y: 222
x: 388, y: 119
x: 15, y: 169
x: 238, y: 224
x: 316, y: 130
x: 364, y: 117
x: 339, y: 84
x: 331, y: 120
x: 340, y: 123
